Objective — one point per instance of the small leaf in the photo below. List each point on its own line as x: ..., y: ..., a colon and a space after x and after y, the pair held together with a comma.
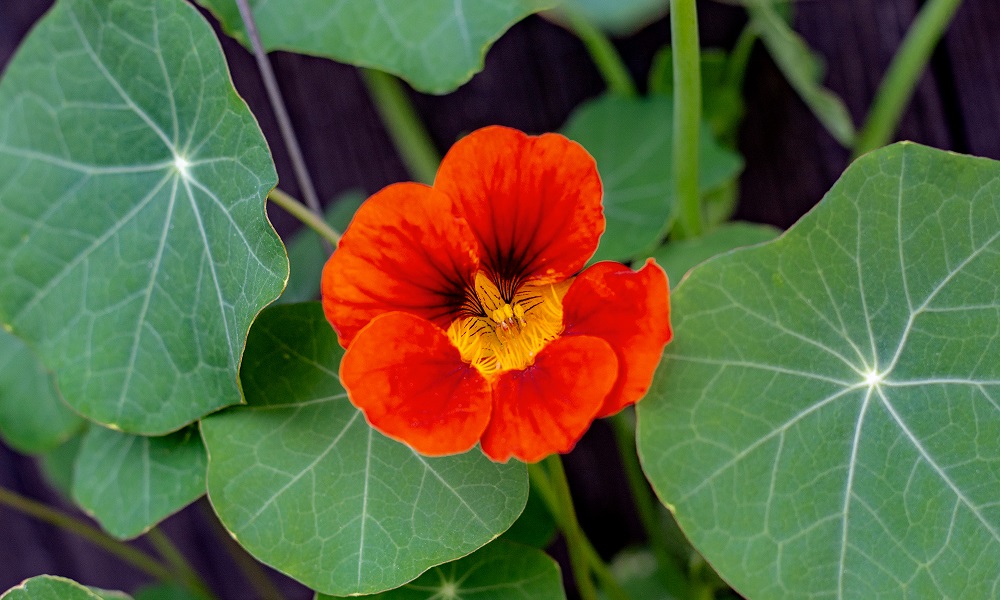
x: 166, y: 591
x: 57, y: 465
x: 435, y: 45
x: 619, y: 17
x: 48, y: 587
x: 129, y: 483
x: 679, y: 257
x: 134, y: 247
x: 33, y: 417
x: 631, y: 139
x: 638, y: 573
x: 500, y: 571
x: 306, y: 486
x: 826, y: 421
x: 535, y: 527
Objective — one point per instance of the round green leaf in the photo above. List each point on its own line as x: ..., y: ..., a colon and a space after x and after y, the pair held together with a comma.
x: 679, y: 257
x: 129, y: 483
x: 48, y: 587
x: 134, y: 247
x: 620, y: 17
x: 632, y: 141
x: 500, y: 571
x: 33, y: 417
x: 435, y: 45
x: 306, y: 486
x: 826, y: 422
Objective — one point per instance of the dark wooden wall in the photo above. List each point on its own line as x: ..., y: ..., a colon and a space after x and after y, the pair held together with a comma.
x: 534, y: 77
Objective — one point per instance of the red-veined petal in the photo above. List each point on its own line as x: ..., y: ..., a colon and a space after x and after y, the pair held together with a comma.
x: 546, y: 407
x: 404, y: 251
x: 411, y: 383
x: 534, y: 203
x: 631, y: 311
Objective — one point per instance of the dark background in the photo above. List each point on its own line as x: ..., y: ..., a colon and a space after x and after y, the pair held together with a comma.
x: 534, y: 76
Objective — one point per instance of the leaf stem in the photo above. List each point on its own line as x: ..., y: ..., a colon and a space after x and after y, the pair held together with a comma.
x: 251, y: 569
x: 302, y: 213
x: 403, y: 124
x: 47, y: 514
x: 607, y: 59
x: 166, y: 548
x: 673, y: 576
x: 687, y: 115
x: 281, y: 112
x: 904, y: 71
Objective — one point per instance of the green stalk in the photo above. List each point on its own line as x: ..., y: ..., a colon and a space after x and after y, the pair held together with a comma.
x: 901, y: 78
x: 673, y: 576
x: 302, y: 213
x: 166, y: 548
x: 404, y: 125
x: 133, y: 556
x: 687, y: 115
x: 602, y: 52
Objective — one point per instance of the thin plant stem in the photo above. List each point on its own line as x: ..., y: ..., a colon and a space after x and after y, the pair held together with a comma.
x: 280, y: 112
x: 403, y: 124
x: 251, y: 569
x: 166, y: 548
x: 687, y: 115
x: 673, y: 576
x: 302, y: 213
x: 904, y: 71
x: 736, y: 66
x: 137, y: 558
x: 602, y: 52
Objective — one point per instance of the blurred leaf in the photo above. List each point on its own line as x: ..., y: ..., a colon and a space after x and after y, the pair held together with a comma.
x: 306, y: 486
x: 679, y: 257
x: 33, y: 418
x: 826, y: 421
x: 619, y: 17
x: 57, y: 465
x: 129, y: 483
x: 638, y: 573
x: 803, y: 69
x: 48, y: 587
x: 535, y: 527
x: 165, y: 591
x: 134, y: 247
x: 500, y: 571
x: 435, y: 45
x: 631, y: 139
x: 306, y: 255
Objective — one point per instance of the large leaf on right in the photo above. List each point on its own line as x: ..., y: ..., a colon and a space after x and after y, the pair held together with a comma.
x: 308, y: 487
x: 435, y: 45
x: 826, y: 422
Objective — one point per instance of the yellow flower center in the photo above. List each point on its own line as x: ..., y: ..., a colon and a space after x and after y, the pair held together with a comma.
x: 507, y: 335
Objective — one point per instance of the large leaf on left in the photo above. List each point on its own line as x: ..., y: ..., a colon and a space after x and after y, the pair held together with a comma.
x: 134, y: 247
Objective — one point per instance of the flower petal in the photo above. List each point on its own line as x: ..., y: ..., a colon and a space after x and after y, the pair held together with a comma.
x: 546, y: 407
x: 404, y: 251
x: 631, y: 311
x: 412, y: 385
x: 534, y: 203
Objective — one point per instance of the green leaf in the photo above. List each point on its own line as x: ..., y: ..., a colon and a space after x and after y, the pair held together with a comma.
x: 826, y: 422
x: 620, y: 17
x: 638, y: 573
x: 165, y: 591
x: 48, y: 587
x: 129, y: 483
x: 535, y: 527
x: 500, y: 571
x: 33, y: 418
x: 435, y: 45
x: 803, y: 69
x: 306, y: 255
x: 134, y: 247
x: 679, y: 257
x: 57, y: 464
x: 631, y: 139
x: 306, y: 486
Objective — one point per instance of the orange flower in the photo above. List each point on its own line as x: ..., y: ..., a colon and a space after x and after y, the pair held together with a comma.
x: 462, y: 318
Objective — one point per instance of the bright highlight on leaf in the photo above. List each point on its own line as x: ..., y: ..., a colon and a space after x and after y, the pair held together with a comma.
x: 827, y: 420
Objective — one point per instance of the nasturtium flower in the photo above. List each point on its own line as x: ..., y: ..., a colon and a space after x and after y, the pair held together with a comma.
x: 465, y: 313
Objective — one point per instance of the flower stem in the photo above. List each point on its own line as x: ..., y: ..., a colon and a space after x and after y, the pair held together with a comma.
x: 280, y: 112
x: 47, y: 514
x: 302, y: 213
x: 672, y: 575
x: 254, y: 573
x: 687, y: 115
x: 166, y: 548
x: 403, y: 124
x: 602, y: 51
x: 904, y: 71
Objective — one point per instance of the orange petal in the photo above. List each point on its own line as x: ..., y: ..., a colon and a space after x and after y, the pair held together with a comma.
x: 534, y: 203
x: 404, y: 251
x: 547, y: 407
x: 631, y: 311
x: 412, y: 385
